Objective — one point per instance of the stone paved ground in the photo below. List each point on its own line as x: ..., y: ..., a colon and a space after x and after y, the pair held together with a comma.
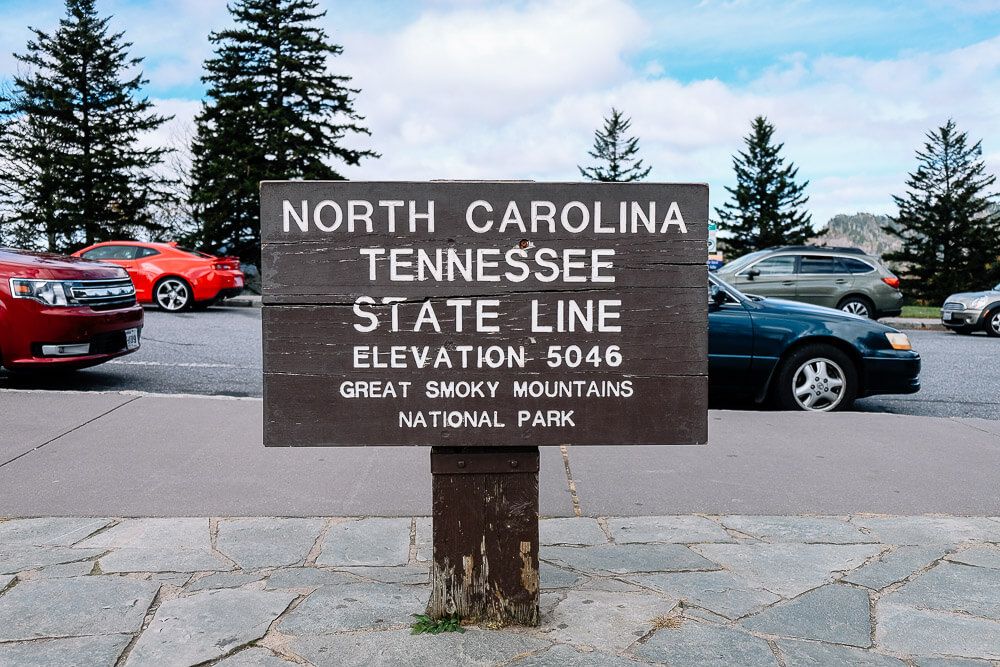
x: 681, y: 590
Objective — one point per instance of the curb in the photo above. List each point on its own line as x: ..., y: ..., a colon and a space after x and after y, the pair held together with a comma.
x: 914, y: 324
x: 250, y: 301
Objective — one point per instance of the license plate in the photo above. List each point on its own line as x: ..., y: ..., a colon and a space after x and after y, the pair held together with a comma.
x: 239, y: 282
x: 132, y: 339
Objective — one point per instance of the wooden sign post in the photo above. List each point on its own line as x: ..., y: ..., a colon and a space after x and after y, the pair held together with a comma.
x: 484, y: 319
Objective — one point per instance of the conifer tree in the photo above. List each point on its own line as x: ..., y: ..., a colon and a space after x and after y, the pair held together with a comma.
x: 616, y: 152
x: 273, y: 111
x: 947, y: 221
x: 766, y: 205
x: 71, y: 141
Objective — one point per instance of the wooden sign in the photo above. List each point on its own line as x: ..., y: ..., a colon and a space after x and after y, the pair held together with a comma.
x: 484, y: 313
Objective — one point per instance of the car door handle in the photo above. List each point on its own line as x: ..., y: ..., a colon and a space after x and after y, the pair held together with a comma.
x: 788, y: 282
x: 840, y: 281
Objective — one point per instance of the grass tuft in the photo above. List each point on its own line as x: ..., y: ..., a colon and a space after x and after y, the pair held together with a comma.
x: 427, y: 625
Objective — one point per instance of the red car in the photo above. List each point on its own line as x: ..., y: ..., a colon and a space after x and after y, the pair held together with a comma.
x: 169, y: 276
x: 63, y: 312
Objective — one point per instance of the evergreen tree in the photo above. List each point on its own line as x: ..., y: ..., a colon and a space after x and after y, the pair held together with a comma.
x: 765, y: 210
x: 273, y: 111
x: 70, y: 145
x: 616, y: 152
x: 947, y: 221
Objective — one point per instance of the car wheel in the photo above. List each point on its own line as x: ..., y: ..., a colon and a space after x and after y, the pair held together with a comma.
x: 817, y: 378
x: 993, y: 323
x: 858, y: 305
x: 172, y: 295
x: 963, y: 331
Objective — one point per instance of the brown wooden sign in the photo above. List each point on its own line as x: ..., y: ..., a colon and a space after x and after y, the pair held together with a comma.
x: 484, y: 313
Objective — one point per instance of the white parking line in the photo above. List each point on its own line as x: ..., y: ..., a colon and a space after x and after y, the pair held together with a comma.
x: 181, y: 365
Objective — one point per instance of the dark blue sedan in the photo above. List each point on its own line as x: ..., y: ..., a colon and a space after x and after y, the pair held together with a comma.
x: 802, y: 357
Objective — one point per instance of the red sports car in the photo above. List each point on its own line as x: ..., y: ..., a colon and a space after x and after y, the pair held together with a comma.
x: 169, y: 276
x: 63, y: 312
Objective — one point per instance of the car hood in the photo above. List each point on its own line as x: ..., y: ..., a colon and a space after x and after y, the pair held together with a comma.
x: 783, y: 307
x: 968, y: 297
x: 27, y: 264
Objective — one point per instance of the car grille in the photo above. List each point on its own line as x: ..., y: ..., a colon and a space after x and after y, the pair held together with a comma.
x: 952, y: 305
x: 103, y: 294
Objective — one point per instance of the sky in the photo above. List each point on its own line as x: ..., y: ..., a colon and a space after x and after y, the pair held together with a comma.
x: 515, y: 90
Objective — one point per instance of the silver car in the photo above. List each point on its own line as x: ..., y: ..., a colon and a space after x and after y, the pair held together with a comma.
x: 970, y: 311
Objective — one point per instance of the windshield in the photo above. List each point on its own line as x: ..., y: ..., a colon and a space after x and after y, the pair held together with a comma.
x: 740, y: 262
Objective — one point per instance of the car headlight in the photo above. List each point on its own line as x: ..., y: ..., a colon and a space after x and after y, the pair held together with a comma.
x: 899, y: 341
x: 979, y: 302
x: 49, y: 292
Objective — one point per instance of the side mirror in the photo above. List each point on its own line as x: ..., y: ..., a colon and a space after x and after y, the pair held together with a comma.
x: 752, y: 273
x: 716, y: 296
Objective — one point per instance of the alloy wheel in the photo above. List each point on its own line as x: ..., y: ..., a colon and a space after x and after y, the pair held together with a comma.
x: 172, y: 295
x: 855, y: 308
x: 818, y: 385
x: 995, y: 323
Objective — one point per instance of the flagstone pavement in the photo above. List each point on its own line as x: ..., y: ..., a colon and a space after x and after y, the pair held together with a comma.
x: 681, y: 590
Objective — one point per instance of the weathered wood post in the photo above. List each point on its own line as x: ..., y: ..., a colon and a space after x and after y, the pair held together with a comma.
x: 484, y: 319
x: 485, y: 524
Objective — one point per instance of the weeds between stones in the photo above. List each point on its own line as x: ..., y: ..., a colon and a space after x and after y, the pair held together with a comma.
x: 427, y: 625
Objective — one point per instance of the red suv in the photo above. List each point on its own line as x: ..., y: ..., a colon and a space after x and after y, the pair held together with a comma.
x: 64, y: 312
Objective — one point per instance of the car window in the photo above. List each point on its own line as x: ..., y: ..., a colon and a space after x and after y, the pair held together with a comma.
x: 820, y: 264
x: 740, y: 262
x: 782, y: 265
x: 856, y: 265
x: 111, y: 252
x: 146, y: 252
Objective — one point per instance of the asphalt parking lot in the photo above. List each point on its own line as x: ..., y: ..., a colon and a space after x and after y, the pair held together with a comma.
x: 217, y: 352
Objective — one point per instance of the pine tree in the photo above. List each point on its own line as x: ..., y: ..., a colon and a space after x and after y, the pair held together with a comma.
x: 273, y: 111
x: 70, y: 146
x: 947, y: 221
x: 765, y: 210
x: 616, y: 151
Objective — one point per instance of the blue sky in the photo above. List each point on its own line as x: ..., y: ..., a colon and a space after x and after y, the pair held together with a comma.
x: 481, y: 89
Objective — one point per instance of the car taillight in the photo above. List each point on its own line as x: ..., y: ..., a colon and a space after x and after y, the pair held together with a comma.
x: 892, y: 282
x: 220, y: 267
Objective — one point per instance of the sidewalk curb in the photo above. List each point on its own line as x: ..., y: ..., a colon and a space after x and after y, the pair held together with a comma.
x: 243, y: 301
x: 914, y: 324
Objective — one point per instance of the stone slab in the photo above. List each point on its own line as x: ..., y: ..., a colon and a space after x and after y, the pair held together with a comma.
x: 18, y: 558
x: 673, y: 529
x: 52, y: 608
x: 154, y: 533
x: 367, y: 542
x: 602, y: 620
x: 399, y: 647
x: 255, y: 657
x: 49, y: 531
x: 206, y: 626
x: 834, y: 613
x: 79, y: 569
x: 894, y: 566
x: 925, y: 530
x: 788, y: 569
x: 356, y: 607
x: 307, y: 578
x: 268, y: 542
x: 911, y: 631
x: 401, y: 574
x: 550, y: 577
x: 562, y: 655
x: 100, y: 651
x: 696, y: 644
x: 224, y: 580
x: 162, y: 560
x: 811, y: 529
x: 813, y: 653
x: 952, y: 587
x: 626, y: 558
x: 979, y: 556
x: 720, y: 592
x: 576, y: 531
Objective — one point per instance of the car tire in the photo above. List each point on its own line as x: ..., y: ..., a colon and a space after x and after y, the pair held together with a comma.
x: 963, y: 331
x: 172, y: 294
x: 816, y: 378
x: 992, y: 323
x: 857, y: 305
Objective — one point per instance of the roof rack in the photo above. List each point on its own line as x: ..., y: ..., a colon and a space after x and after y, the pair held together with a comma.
x: 830, y: 248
